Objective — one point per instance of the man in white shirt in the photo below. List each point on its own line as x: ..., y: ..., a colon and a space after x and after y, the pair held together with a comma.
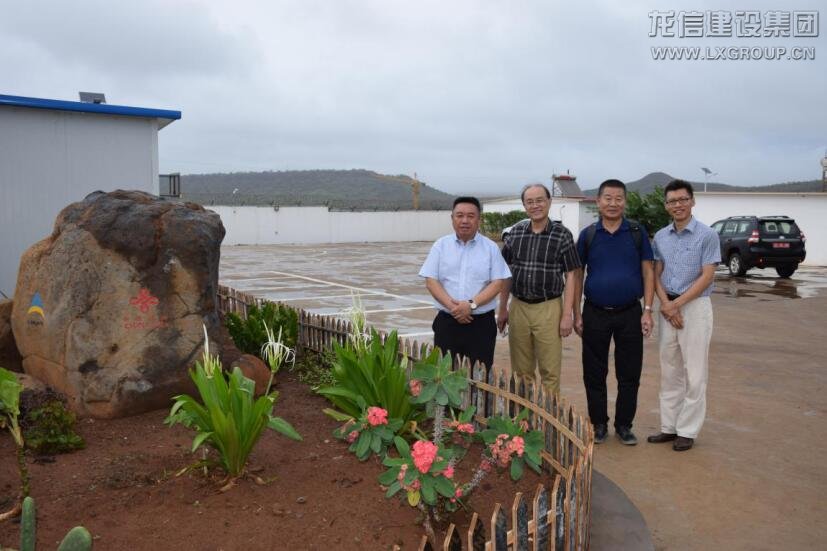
x: 465, y: 272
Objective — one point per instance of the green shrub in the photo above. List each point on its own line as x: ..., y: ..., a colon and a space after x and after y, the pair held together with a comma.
x: 50, y: 429
x: 649, y: 210
x: 374, y: 373
x: 10, y: 390
x: 228, y: 418
x: 493, y: 223
x: 250, y: 334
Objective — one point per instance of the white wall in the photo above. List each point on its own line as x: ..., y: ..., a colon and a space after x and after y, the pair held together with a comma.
x: 808, y: 210
x: 266, y: 225
x: 50, y: 158
x: 573, y: 213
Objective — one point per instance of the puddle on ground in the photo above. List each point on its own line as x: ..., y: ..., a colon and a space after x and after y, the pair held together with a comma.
x: 765, y: 285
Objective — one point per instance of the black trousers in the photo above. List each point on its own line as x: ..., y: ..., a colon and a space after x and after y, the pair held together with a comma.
x: 599, y: 328
x: 475, y: 340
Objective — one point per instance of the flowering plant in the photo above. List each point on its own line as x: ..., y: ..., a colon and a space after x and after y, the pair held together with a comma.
x: 509, y: 442
x: 228, y: 418
x: 371, y: 370
x: 371, y: 433
x: 424, y: 471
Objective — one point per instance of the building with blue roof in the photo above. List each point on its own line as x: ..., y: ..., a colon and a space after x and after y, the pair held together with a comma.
x: 55, y: 152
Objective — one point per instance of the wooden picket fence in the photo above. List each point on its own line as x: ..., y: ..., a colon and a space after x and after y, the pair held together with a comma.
x: 557, y: 517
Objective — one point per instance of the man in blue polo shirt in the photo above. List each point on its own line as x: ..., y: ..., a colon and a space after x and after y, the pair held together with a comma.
x: 464, y: 272
x: 617, y: 257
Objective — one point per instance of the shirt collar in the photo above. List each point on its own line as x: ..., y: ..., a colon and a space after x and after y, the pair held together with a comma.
x: 690, y: 227
x: 470, y: 241
x: 624, y: 225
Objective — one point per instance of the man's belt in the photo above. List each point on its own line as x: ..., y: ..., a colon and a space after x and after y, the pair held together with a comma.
x: 613, y: 309
x: 536, y: 300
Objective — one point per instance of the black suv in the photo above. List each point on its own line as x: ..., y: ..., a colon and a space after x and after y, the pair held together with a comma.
x: 760, y: 242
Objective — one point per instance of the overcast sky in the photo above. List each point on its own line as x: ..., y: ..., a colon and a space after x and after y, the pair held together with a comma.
x: 474, y: 95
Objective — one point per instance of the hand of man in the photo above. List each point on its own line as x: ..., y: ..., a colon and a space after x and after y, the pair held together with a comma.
x: 461, y: 311
x: 646, y: 323
x: 502, y: 319
x: 669, y: 309
x: 578, y: 325
x: 566, y: 324
x: 677, y: 320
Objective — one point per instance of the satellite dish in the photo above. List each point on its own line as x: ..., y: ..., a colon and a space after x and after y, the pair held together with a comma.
x: 92, y: 97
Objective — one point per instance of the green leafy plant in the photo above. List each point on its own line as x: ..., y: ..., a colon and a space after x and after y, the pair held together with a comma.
x: 50, y: 429
x: 509, y: 442
x: 250, y: 334
x: 371, y: 433
x: 375, y: 374
x: 493, y: 223
x: 77, y: 539
x: 425, y: 470
x: 315, y: 368
x: 10, y: 390
x: 228, y: 418
x: 649, y: 210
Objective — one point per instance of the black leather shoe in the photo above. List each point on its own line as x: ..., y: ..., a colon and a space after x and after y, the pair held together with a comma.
x: 600, y: 433
x: 626, y: 435
x: 682, y: 444
x: 661, y: 437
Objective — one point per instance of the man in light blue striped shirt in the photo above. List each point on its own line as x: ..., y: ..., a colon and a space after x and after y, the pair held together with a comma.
x: 686, y: 254
x: 464, y: 272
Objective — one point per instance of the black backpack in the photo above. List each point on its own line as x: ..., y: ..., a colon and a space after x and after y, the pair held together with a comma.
x: 634, y: 227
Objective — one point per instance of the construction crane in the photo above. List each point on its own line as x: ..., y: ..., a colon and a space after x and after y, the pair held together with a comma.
x: 415, y: 186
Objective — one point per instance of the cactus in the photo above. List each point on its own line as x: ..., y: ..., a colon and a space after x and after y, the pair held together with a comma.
x: 28, y: 525
x: 78, y: 538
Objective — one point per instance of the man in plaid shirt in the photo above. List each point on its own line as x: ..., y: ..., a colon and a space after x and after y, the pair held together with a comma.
x: 543, y: 262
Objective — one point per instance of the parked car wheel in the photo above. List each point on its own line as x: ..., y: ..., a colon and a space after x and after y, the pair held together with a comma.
x: 786, y: 270
x: 736, y: 265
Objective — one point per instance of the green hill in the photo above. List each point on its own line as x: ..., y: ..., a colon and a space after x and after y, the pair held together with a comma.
x: 337, y: 189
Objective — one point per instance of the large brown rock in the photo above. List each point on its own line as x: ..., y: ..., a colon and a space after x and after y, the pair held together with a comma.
x: 9, y: 355
x: 255, y: 369
x: 109, y: 309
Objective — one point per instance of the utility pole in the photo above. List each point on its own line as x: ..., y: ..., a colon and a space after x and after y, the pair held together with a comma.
x: 824, y: 173
x: 415, y: 187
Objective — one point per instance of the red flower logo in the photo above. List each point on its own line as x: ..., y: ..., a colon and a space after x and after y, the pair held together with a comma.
x: 143, y: 301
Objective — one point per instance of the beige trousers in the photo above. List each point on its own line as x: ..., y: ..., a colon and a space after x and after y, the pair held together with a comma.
x: 684, y: 366
x: 534, y: 340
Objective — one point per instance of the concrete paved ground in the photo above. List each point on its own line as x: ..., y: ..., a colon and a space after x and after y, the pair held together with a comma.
x: 755, y: 479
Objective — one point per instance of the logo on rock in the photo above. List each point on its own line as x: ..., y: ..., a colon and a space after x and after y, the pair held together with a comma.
x: 36, y: 307
x: 143, y: 301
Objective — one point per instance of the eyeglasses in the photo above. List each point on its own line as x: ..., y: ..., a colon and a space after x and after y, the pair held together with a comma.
x: 678, y: 201
x: 533, y: 202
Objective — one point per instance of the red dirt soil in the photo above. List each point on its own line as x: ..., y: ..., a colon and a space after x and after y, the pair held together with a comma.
x: 123, y: 487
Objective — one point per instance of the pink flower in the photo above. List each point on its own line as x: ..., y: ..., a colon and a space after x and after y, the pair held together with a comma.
x: 352, y: 436
x: 377, y: 416
x: 485, y: 466
x: 467, y: 428
x: 415, y: 485
x: 458, y: 492
x: 517, y: 445
x: 416, y: 387
x: 423, y: 454
x: 448, y: 472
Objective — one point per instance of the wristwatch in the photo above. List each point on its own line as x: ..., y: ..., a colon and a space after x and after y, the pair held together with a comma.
x: 472, y: 303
